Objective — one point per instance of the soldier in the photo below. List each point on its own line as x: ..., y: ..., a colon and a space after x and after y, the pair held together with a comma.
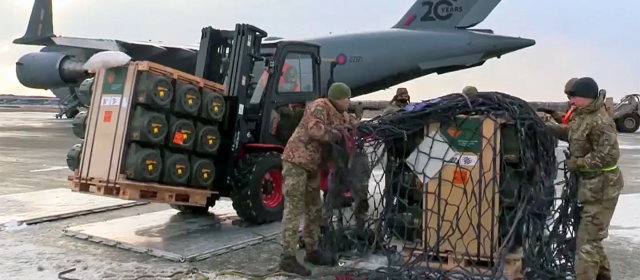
x: 593, y: 143
x: 301, y: 162
x: 398, y: 102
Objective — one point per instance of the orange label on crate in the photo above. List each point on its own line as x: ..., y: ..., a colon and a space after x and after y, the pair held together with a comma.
x: 111, y: 77
x: 454, y: 132
x: 178, y: 138
x: 107, y: 116
x: 460, y: 176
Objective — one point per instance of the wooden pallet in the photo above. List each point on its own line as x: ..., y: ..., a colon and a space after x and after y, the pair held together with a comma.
x: 93, y: 186
x: 180, y: 76
x: 131, y: 190
x: 512, y: 267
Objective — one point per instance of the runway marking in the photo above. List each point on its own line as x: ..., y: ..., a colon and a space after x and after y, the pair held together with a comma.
x: 54, y: 168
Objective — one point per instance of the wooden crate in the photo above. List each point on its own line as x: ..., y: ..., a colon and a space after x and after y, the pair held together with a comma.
x: 461, y: 202
x: 461, y: 207
x: 131, y: 190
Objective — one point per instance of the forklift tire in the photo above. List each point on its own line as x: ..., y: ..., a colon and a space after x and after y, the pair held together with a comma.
x: 257, y: 195
x: 628, y: 123
x: 190, y: 209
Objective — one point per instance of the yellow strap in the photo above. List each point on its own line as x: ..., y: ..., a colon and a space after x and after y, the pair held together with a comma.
x: 595, y: 170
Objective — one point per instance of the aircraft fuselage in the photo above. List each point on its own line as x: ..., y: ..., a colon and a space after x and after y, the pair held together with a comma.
x: 377, y: 60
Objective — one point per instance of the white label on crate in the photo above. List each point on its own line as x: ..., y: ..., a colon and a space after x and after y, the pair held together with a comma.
x: 427, y: 165
x: 115, y: 100
x: 465, y: 159
x: 240, y: 109
x: 244, y: 80
x: 110, y: 101
x: 124, y: 102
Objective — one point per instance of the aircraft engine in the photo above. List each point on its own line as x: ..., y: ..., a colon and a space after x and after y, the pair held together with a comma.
x: 46, y: 70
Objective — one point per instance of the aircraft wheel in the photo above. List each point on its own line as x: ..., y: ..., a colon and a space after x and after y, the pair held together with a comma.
x: 257, y: 195
x: 72, y: 114
x: 629, y: 123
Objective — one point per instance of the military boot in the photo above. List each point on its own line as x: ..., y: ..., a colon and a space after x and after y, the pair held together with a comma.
x: 290, y: 264
x: 319, y: 257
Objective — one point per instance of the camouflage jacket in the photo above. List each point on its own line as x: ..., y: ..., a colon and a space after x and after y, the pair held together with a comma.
x: 392, y: 108
x: 592, y: 137
x: 304, y: 147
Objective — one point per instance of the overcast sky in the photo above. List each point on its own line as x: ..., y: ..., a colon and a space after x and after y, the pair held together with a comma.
x: 574, y: 38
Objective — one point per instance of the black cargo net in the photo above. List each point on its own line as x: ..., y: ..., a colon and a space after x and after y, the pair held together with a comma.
x: 464, y: 187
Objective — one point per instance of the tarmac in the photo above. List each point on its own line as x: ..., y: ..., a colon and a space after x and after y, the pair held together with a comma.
x: 33, y: 148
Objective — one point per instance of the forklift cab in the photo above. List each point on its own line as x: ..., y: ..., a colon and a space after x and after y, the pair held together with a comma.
x: 280, y: 89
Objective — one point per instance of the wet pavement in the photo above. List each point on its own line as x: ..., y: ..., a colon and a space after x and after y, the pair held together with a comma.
x: 33, y: 149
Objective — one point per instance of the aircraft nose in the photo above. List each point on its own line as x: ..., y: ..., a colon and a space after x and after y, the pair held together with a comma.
x: 514, y: 44
x: 500, y: 45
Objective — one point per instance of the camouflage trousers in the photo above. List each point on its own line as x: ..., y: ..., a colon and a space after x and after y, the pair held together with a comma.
x: 301, y: 200
x: 599, y: 196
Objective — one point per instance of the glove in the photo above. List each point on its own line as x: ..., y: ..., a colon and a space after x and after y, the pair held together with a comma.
x: 545, y: 117
x: 572, y: 165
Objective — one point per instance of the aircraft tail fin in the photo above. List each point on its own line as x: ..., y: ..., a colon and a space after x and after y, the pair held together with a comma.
x: 40, y: 28
x: 426, y: 14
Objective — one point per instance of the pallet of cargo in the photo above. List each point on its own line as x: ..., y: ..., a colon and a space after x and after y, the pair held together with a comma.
x: 152, y: 136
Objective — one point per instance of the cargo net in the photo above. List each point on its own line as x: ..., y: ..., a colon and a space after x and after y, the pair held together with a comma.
x: 462, y: 187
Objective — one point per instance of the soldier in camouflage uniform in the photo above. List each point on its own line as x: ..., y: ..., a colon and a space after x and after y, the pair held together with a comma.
x: 593, y: 143
x: 301, y: 162
x: 398, y: 102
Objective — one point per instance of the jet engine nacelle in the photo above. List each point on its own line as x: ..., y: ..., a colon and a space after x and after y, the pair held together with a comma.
x: 46, y: 70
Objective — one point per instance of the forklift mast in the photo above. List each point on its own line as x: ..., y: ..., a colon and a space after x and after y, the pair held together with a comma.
x: 262, y: 106
x: 227, y: 57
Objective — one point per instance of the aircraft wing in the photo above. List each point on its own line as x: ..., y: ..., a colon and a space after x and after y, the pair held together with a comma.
x: 136, y: 48
x: 179, y: 57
